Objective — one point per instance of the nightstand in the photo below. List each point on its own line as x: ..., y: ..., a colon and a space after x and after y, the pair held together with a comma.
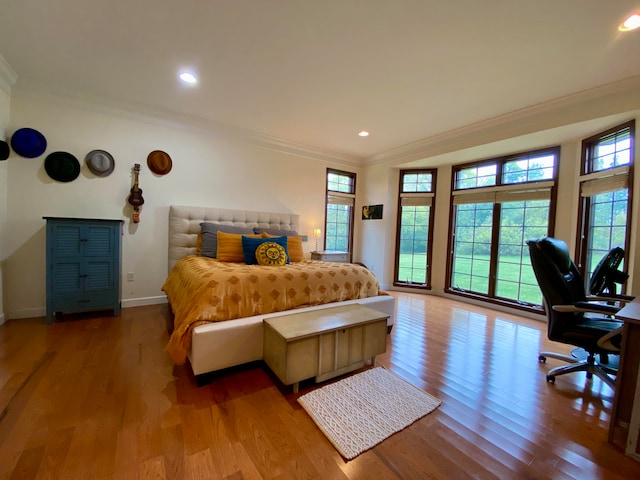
x: 331, y: 256
x: 83, y: 265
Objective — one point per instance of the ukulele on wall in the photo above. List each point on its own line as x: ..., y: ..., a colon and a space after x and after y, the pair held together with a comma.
x: 135, y: 198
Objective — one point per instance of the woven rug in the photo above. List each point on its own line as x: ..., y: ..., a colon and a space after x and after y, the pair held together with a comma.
x: 360, y: 411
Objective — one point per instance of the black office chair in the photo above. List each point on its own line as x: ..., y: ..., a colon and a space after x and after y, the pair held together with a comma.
x: 573, y: 318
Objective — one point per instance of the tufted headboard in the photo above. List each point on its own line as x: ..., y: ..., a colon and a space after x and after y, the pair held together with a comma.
x: 184, y: 225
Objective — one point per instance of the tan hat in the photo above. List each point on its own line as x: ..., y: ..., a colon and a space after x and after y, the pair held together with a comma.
x: 100, y: 163
x: 159, y: 162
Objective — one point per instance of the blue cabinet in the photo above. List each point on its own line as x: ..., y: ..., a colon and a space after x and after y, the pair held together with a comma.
x: 83, y: 265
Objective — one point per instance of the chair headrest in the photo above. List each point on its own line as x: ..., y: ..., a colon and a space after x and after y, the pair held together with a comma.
x: 557, y: 251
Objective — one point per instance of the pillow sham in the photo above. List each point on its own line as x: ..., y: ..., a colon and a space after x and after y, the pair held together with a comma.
x: 230, y: 247
x: 250, y: 244
x: 209, y: 232
x: 294, y: 247
x: 275, y: 232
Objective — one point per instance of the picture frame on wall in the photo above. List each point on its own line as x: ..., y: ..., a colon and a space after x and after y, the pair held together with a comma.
x: 372, y: 212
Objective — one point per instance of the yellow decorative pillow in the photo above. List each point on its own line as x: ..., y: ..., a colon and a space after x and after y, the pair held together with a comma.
x: 294, y: 247
x: 230, y: 247
x: 270, y: 253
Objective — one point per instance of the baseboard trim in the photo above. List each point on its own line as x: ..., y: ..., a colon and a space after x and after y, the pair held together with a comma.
x: 141, y: 302
x: 26, y: 313
x: 41, y: 312
x: 478, y: 303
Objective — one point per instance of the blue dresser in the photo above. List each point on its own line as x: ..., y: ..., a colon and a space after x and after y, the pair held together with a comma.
x: 83, y: 265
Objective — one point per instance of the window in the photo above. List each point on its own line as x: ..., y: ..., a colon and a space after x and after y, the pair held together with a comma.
x: 605, y: 195
x: 415, y: 227
x: 341, y: 195
x: 497, y: 206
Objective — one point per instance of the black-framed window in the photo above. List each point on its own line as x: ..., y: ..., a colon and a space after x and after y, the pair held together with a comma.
x: 415, y: 228
x: 605, y: 195
x: 339, y: 210
x: 497, y: 205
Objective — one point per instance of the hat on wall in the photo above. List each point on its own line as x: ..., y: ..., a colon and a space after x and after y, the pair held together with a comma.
x: 28, y: 143
x: 159, y: 162
x: 62, y: 166
x: 100, y: 162
x: 4, y: 150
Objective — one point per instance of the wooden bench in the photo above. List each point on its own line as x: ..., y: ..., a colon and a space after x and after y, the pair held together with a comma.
x: 323, y: 343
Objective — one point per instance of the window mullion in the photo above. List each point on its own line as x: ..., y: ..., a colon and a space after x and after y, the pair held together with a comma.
x: 493, y: 258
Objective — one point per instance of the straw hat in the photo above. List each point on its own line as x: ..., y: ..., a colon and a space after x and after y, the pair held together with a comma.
x: 159, y: 162
x: 100, y: 162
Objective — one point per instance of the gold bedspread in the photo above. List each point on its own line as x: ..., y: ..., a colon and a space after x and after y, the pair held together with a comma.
x: 202, y: 290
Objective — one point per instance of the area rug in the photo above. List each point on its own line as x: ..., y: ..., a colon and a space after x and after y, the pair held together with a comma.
x: 362, y: 410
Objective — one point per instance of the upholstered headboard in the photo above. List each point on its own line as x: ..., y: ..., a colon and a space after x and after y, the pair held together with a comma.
x: 184, y: 225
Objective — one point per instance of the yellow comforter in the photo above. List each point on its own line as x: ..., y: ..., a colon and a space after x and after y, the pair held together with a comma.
x: 202, y: 290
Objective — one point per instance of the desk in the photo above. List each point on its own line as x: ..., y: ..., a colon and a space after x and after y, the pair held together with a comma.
x: 624, y: 429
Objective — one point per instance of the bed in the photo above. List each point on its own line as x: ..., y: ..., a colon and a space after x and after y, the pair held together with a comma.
x: 211, y: 342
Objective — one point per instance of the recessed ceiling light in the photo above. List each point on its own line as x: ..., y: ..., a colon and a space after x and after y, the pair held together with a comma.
x: 630, y: 23
x: 188, y: 77
x: 363, y: 133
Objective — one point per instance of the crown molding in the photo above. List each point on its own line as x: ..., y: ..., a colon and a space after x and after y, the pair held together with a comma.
x: 180, y: 121
x: 8, y: 76
x: 615, y: 97
x: 295, y: 148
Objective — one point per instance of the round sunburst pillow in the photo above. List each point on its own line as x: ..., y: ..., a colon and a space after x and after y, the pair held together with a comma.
x: 271, y: 253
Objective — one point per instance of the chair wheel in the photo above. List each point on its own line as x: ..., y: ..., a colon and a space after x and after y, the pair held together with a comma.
x: 542, y: 359
x: 551, y: 379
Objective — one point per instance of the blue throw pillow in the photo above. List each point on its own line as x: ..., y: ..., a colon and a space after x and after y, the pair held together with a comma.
x: 249, y: 246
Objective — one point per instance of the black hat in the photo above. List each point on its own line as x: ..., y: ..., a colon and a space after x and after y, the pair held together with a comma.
x: 100, y: 162
x: 62, y: 166
x: 28, y: 143
x: 4, y: 150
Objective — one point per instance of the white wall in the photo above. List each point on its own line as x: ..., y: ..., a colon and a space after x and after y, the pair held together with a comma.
x: 207, y: 171
x: 4, y: 166
x: 373, y: 243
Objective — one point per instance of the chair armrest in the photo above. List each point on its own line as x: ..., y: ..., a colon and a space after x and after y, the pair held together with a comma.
x: 605, y: 343
x: 598, y: 307
x: 611, y: 298
x: 587, y: 307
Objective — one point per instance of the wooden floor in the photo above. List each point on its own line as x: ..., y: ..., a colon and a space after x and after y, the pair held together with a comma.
x: 94, y: 397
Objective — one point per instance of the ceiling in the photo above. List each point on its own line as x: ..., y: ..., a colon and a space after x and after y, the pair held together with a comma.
x: 315, y: 73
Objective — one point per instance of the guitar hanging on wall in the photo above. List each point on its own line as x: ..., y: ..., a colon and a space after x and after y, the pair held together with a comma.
x: 135, y: 198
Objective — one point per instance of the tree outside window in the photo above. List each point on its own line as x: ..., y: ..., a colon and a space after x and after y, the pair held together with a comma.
x: 605, y: 195
x: 415, y: 226
x: 339, y: 208
x: 497, y: 206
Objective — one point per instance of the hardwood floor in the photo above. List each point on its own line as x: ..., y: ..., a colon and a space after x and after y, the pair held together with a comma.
x: 93, y: 397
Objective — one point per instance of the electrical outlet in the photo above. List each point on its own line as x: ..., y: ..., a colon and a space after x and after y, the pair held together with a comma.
x: 130, y: 277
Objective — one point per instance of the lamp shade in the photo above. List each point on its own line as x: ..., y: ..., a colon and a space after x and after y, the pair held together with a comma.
x: 316, y: 233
